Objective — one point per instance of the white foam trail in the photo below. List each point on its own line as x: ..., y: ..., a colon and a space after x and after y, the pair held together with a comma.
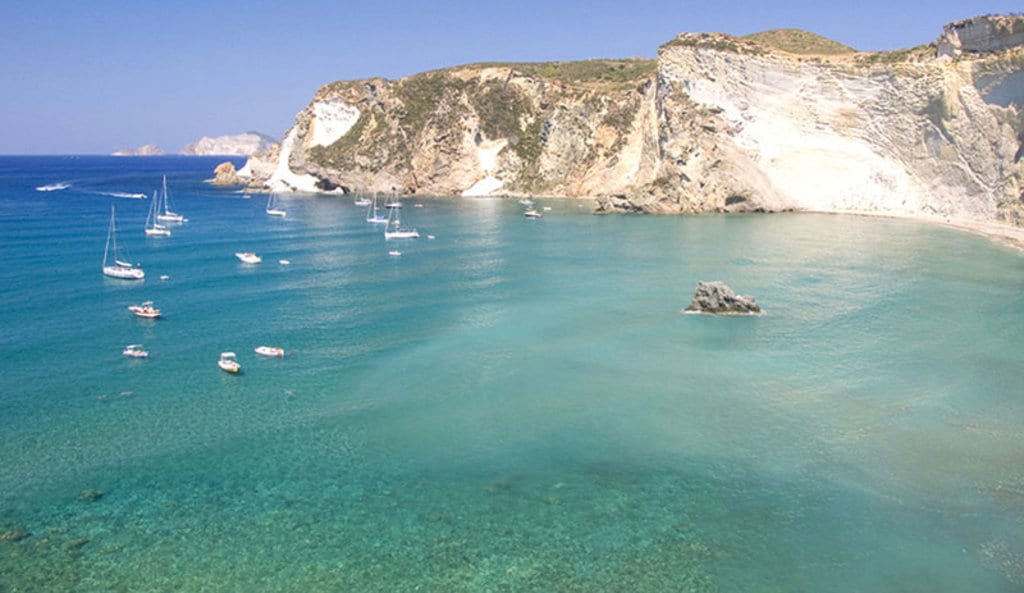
x: 53, y: 187
x: 121, y: 194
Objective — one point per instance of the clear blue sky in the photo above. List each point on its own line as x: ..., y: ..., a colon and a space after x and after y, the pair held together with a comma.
x: 89, y: 77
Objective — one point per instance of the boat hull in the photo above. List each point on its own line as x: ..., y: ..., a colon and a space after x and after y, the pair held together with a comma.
x: 122, y: 273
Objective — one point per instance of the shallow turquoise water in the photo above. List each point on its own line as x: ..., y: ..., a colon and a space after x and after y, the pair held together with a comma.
x: 515, y: 406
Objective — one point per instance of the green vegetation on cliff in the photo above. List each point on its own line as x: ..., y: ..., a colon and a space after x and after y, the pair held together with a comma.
x: 586, y: 72
x: 796, y: 41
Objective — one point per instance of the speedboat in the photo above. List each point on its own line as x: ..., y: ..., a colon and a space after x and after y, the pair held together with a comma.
x: 395, y: 253
x: 135, y: 351
x: 269, y: 351
x: 228, y: 363
x: 531, y: 213
x: 145, y: 310
x: 249, y: 257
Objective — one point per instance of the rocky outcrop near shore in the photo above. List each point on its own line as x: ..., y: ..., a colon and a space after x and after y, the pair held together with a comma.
x: 225, y: 174
x: 715, y: 124
x: 715, y: 298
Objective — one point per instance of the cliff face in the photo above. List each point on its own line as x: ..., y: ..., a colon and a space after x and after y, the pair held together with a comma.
x: 715, y: 124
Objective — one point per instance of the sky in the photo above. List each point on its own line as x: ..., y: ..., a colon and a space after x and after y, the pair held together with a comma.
x: 95, y: 76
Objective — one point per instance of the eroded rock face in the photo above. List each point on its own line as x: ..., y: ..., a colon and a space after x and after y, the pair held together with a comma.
x: 981, y: 34
x: 715, y: 298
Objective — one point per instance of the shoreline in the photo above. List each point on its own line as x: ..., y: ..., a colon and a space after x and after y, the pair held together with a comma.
x: 998, y: 232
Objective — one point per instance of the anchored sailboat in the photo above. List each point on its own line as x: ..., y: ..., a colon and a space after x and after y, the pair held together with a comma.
x: 373, y: 216
x: 394, y: 229
x: 120, y: 269
x: 166, y: 215
x: 154, y: 228
x: 272, y: 208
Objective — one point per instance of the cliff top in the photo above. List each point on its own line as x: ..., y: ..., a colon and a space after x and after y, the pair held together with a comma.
x: 796, y: 41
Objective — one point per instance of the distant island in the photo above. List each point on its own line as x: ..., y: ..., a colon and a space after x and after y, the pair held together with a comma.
x: 244, y: 144
x: 147, y: 150
x: 239, y: 144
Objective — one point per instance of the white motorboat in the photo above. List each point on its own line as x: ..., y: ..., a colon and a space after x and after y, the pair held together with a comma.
x: 249, y: 257
x: 531, y: 213
x: 135, y: 351
x: 119, y: 269
x: 228, y: 363
x: 145, y: 310
x: 272, y: 351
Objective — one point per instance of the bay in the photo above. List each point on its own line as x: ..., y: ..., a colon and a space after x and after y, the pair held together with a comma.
x: 515, y: 405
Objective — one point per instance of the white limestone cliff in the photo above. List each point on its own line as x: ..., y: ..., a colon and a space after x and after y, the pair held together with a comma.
x: 718, y: 124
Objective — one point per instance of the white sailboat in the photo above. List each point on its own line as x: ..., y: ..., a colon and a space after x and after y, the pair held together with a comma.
x: 373, y: 216
x: 119, y: 269
x: 362, y: 201
x: 394, y: 229
x: 165, y: 214
x: 154, y: 228
x: 272, y: 208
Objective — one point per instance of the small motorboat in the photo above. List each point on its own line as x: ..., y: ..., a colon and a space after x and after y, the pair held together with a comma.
x: 249, y: 257
x: 145, y: 310
x: 269, y: 351
x: 526, y: 202
x: 531, y: 213
x: 135, y: 351
x: 395, y: 253
x: 284, y: 262
x: 228, y: 363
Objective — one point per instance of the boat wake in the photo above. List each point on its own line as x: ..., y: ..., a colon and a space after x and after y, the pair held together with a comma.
x: 53, y: 187
x: 121, y: 194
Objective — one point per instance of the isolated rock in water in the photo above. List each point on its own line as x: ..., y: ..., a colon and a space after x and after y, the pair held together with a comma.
x: 225, y: 174
x: 718, y: 299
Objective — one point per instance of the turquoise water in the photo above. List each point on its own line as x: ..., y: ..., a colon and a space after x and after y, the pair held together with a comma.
x: 516, y: 405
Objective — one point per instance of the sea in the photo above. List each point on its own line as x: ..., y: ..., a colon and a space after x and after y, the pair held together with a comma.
x: 507, y: 405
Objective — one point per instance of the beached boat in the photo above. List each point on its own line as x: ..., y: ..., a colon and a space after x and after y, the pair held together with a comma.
x: 119, y: 269
x: 164, y: 212
x: 272, y: 208
x: 394, y: 229
x: 228, y: 363
x: 269, y: 351
x: 249, y: 257
x: 145, y: 310
x: 154, y: 228
x: 135, y: 351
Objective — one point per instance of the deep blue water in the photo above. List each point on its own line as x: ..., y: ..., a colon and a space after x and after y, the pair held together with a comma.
x: 516, y: 405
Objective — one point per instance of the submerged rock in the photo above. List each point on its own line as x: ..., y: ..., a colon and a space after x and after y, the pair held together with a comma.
x: 13, y: 535
x: 715, y: 298
x: 90, y: 495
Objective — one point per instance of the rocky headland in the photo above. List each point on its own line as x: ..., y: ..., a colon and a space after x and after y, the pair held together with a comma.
x: 783, y: 120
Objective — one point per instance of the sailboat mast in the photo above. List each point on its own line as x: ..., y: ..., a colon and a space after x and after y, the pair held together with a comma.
x: 110, y: 232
